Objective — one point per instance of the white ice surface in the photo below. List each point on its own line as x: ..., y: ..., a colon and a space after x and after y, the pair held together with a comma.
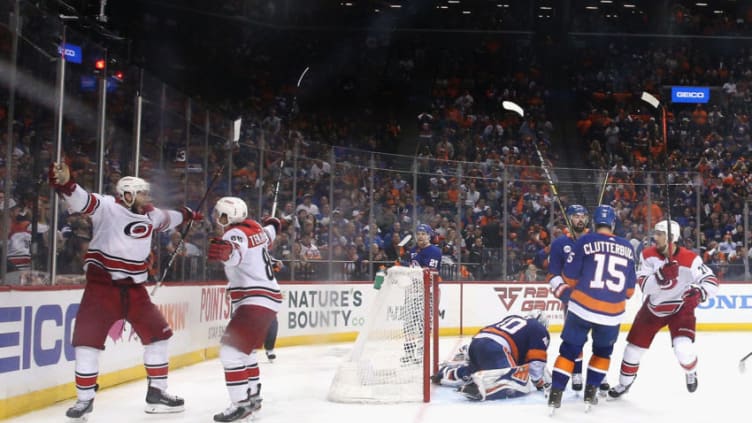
x: 296, y: 384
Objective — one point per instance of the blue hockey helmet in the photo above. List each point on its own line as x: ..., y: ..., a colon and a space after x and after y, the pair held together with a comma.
x: 576, y: 209
x: 424, y: 228
x: 604, y: 215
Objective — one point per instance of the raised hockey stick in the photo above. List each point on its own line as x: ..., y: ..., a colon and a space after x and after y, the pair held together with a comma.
x: 603, y: 188
x: 514, y: 107
x: 650, y: 99
x: 185, y: 230
x: 742, y: 362
x: 405, y: 240
x: 276, y: 188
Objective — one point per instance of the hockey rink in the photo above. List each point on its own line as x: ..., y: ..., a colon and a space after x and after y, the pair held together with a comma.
x: 296, y: 384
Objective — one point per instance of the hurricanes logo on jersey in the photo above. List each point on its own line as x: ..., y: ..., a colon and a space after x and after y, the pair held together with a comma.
x: 138, y: 230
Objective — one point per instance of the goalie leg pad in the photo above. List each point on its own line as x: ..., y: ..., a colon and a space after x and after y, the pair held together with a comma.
x: 502, y: 383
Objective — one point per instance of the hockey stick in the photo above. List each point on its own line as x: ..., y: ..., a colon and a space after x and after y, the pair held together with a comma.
x: 603, y: 188
x: 276, y: 188
x: 742, y: 362
x: 650, y: 99
x: 297, y: 87
x: 405, y: 240
x: 514, y: 107
x: 185, y: 230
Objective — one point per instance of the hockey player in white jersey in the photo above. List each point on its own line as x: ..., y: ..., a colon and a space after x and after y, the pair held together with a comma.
x: 116, y: 266
x: 673, y: 285
x: 256, y: 298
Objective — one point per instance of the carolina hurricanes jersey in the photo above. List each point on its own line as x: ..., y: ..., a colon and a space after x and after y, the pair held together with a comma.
x: 664, y: 301
x: 19, y: 245
x: 602, y: 272
x: 526, y: 340
x: 249, y: 269
x: 121, y: 239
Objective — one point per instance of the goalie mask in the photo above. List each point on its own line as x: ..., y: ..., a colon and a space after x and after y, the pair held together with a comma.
x: 233, y: 208
x: 662, y: 226
x: 132, y: 185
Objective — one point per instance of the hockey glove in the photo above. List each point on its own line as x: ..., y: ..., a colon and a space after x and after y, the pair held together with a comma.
x: 60, y: 178
x: 448, y: 374
x: 274, y: 222
x: 694, y: 295
x: 219, y: 250
x: 189, y: 214
x: 563, y: 292
x: 667, y: 274
x: 277, y: 265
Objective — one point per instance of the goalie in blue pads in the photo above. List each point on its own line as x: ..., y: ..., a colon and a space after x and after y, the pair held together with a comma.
x: 504, y: 360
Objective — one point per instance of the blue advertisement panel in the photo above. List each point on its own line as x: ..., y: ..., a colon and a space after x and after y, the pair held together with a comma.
x: 690, y: 94
x: 71, y: 52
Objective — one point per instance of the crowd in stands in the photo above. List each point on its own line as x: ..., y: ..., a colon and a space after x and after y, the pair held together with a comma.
x: 474, y: 176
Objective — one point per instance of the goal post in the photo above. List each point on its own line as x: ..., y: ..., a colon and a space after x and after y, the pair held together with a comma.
x: 397, y: 349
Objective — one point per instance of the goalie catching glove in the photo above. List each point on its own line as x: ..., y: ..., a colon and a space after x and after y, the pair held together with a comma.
x: 220, y: 249
x: 667, y: 274
x: 60, y: 178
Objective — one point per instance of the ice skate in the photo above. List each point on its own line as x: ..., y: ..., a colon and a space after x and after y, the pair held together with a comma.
x: 618, y: 390
x: 603, y: 389
x: 591, y: 397
x: 80, y: 410
x: 554, y: 400
x: 271, y: 356
x: 158, y: 402
x: 235, y: 412
x: 255, y: 399
x: 471, y: 391
x: 577, y: 382
x: 691, y: 381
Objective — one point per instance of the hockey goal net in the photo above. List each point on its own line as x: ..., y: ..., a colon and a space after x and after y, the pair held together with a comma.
x: 397, y: 349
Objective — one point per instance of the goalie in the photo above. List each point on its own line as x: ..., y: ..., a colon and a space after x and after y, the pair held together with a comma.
x: 504, y: 360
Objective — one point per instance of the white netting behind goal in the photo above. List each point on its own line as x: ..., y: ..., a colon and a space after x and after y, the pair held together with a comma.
x: 386, y: 363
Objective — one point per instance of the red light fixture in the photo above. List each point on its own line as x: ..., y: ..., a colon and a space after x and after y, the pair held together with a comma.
x: 100, y: 64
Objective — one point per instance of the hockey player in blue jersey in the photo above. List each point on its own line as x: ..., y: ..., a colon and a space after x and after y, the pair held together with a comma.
x: 504, y: 360
x: 426, y: 256
x: 600, y: 277
x: 561, y: 248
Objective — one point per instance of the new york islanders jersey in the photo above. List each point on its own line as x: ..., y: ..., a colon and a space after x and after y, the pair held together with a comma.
x: 526, y: 340
x: 250, y: 269
x: 121, y: 239
x: 667, y: 300
x: 561, y: 249
x: 602, y: 274
x: 428, y: 257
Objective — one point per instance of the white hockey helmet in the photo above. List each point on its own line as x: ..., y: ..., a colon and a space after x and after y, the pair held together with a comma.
x: 662, y: 226
x: 233, y: 207
x: 538, y: 315
x: 132, y: 185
